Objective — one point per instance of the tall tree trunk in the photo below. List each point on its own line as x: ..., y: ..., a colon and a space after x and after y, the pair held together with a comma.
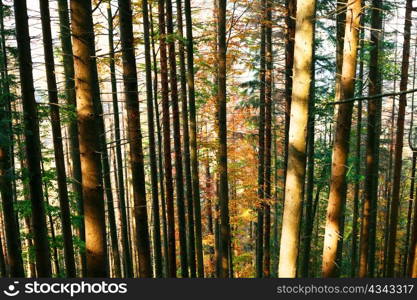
x: 222, y: 150
x: 57, y: 140
x: 261, y: 150
x: 368, y: 226
x: 337, y: 196
x: 399, y: 143
x: 291, y: 8
x: 303, y: 57
x: 12, y: 236
x: 309, y: 205
x: 85, y: 88
x: 172, y: 267
x: 193, y: 140
x: 135, y: 137
x: 358, y: 156
x: 127, y: 258
x: 268, y: 138
x: 32, y: 140
x: 68, y: 62
x: 160, y: 161
x: 157, y: 252
x: 186, y: 144
x: 179, y: 180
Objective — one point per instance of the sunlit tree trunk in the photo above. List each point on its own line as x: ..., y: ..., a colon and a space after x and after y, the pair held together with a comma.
x: 68, y: 62
x: 85, y: 89
x: 303, y: 57
x: 337, y: 196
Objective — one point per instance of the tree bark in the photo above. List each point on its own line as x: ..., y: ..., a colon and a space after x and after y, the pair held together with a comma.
x: 392, y: 239
x: 193, y: 140
x: 172, y: 267
x: 11, y: 224
x: 68, y: 62
x: 222, y: 150
x: 135, y: 137
x: 57, y: 140
x: 85, y: 89
x: 157, y: 252
x: 368, y: 226
x: 303, y: 57
x: 337, y: 197
x: 32, y: 140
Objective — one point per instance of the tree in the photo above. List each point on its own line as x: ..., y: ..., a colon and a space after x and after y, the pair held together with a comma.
x: 134, y: 137
x: 186, y: 144
x: 193, y: 139
x: 179, y: 180
x: 68, y: 62
x: 12, y: 238
x: 172, y: 267
x: 261, y: 150
x: 85, y: 86
x: 32, y: 140
x: 57, y: 139
x: 396, y: 184
x: 222, y: 136
x: 337, y: 196
x: 152, y: 151
x: 127, y: 258
x: 368, y: 226
x: 303, y: 56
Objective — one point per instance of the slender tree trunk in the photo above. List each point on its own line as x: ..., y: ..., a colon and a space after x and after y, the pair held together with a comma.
x: 85, y: 86
x: 157, y: 252
x: 135, y: 137
x: 68, y: 62
x: 337, y: 197
x: 186, y: 145
x: 303, y: 58
x: 222, y: 150
x: 127, y: 258
x: 399, y: 143
x: 309, y: 218
x: 291, y: 8
x: 179, y: 180
x: 193, y: 140
x: 268, y: 139
x: 12, y: 236
x: 172, y: 267
x: 368, y: 226
x: 358, y: 153
x: 261, y: 151
x: 160, y: 161
x: 32, y: 140
x: 57, y: 140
